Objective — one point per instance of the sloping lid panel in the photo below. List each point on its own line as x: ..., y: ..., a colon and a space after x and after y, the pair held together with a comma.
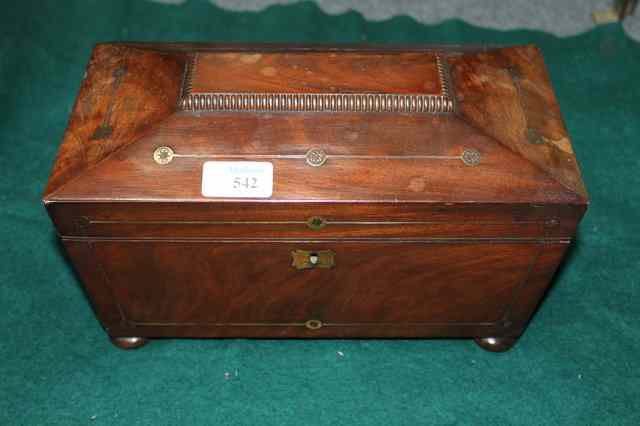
x: 125, y: 92
x: 337, y: 126
x: 382, y: 158
x: 506, y: 93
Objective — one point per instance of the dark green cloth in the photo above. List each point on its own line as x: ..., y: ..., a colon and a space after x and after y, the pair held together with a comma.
x: 576, y: 364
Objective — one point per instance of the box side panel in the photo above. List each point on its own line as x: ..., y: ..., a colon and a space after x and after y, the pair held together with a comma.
x: 95, y: 283
x: 507, y: 94
x: 124, y: 93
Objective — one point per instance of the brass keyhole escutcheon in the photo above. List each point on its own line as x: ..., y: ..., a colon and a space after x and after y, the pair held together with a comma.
x: 313, y: 324
x: 305, y: 259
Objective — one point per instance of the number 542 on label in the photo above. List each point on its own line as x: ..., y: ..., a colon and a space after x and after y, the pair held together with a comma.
x: 245, y: 182
x: 237, y: 179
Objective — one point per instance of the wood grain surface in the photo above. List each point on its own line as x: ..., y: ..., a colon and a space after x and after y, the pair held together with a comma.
x: 125, y: 92
x: 507, y: 94
x: 313, y: 72
x: 426, y: 243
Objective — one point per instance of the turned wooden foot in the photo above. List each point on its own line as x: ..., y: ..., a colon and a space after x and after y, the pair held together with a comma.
x: 496, y: 344
x: 129, y: 342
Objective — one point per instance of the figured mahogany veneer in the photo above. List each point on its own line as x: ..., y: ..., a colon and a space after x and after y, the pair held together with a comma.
x: 316, y: 72
x: 439, y: 183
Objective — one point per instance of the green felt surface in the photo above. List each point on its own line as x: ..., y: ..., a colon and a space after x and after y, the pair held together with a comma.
x: 576, y: 364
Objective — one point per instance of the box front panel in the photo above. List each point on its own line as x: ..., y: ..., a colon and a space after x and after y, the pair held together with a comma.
x: 266, y: 284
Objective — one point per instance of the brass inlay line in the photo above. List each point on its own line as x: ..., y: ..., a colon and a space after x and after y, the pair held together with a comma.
x: 305, y: 222
x: 323, y: 324
x: 329, y: 156
x: 316, y: 157
x: 260, y: 156
x: 372, y: 240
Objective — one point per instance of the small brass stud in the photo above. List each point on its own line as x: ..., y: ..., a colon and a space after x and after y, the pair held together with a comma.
x: 316, y: 157
x: 316, y: 223
x: 163, y: 155
x: 82, y: 223
x: 471, y: 157
x: 313, y: 324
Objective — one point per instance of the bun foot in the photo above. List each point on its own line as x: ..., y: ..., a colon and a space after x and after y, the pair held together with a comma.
x: 129, y: 342
x: 496, y: 344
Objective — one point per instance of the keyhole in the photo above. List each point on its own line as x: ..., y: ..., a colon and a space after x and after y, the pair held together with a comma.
x: 313, y: 258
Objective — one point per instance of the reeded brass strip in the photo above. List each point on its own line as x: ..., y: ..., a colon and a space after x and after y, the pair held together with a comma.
x: 318, y: 102
x: 187, y: 78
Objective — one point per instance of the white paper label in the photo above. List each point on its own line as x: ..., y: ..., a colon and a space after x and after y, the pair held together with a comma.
x: 237, y: 179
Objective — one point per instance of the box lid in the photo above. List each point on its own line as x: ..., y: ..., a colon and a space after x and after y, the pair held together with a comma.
x: 336, y: 124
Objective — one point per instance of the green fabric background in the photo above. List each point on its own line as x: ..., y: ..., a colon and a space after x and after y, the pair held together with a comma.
x: 576, y: 364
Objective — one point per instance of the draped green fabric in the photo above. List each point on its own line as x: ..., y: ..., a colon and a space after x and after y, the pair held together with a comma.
x: 576, y: 364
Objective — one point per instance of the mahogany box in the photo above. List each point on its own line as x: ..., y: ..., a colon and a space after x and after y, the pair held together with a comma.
x: 206, y: 190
